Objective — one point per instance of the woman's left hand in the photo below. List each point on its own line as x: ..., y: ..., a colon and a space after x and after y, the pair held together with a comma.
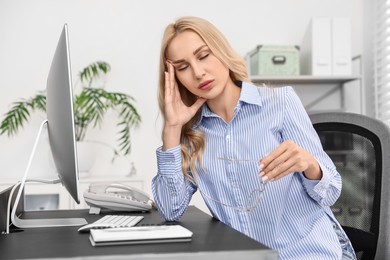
x: 288, y: 158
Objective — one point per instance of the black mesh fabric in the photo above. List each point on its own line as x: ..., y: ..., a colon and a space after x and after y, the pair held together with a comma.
x: 357, y: 155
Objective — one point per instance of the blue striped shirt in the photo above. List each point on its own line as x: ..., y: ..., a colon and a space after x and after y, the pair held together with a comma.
x: 293, y: 216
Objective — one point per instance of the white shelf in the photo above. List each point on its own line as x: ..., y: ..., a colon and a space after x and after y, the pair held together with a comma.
x: 304, y: 79
x: 335, y: 82
x: 308, y: 80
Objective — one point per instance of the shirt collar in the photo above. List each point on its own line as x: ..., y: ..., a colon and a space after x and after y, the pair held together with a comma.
x: 249, y: 94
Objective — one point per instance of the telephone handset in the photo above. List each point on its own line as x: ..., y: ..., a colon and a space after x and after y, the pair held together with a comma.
x: 116, y: 196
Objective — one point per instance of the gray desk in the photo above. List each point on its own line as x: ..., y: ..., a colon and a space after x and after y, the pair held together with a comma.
x: 211, y: 240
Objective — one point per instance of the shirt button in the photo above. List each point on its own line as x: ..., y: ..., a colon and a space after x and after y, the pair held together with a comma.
x: 227, y: 137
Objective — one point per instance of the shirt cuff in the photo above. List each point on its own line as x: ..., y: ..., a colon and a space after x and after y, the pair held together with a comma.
x: 321, y: 186
x: 169, y: 161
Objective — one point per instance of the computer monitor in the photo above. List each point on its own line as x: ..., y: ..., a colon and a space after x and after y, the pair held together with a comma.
x: 61, y: 132
x: 60, y: 117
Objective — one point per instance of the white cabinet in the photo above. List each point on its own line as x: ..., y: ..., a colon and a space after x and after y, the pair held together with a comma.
x: 42, y: 196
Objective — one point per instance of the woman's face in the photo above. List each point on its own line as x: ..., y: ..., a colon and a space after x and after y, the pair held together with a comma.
x: 196, y: 67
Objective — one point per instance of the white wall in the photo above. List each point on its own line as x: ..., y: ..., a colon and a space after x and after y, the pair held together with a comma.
x: 127, y: 35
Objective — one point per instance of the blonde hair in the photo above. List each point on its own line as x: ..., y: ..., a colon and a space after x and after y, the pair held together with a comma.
x: 192, y: 142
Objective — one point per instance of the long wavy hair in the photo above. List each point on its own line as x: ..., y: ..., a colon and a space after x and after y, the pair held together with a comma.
x: 192, y: 141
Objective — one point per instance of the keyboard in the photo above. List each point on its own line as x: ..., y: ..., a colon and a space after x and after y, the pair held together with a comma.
x: 112, y: 221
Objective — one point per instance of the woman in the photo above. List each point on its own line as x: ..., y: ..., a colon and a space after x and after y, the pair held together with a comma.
x: 251, y: 151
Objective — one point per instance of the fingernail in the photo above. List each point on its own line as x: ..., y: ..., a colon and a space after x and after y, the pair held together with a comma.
x: 261, y: 173
x: 264, y: 178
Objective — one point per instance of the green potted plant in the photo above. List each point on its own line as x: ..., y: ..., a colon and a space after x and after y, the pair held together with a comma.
x: 90, y: 106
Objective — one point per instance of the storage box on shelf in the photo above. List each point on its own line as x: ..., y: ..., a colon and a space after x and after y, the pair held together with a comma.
x: 274, y: 60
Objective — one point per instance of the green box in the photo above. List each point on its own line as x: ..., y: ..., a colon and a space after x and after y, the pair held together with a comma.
x: 274, y: 60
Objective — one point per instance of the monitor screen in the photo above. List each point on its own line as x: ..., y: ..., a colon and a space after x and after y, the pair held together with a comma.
x: 60, y: 117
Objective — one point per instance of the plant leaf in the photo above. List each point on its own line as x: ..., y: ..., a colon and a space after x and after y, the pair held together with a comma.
x: 94, y: 71
x: 19, y: 114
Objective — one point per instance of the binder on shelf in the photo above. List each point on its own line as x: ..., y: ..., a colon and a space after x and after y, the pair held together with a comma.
x: 316, y: 48
x: 326, y: 47
x: 341, y: 46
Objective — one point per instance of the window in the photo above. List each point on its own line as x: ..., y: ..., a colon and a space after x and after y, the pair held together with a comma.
x: 382, y: 60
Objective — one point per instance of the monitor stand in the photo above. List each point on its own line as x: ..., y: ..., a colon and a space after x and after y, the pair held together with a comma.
x: 36, y: 223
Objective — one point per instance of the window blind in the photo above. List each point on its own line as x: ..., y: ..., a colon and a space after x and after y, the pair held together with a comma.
x: 382, y: 60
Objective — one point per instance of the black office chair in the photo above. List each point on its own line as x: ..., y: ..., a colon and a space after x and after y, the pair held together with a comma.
x: 360, y: 148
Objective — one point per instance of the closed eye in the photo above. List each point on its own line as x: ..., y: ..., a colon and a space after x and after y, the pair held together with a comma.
x: 182, y: 67
x: 204, y: 56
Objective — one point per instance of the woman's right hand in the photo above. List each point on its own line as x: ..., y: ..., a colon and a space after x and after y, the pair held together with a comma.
x: 176, y: 112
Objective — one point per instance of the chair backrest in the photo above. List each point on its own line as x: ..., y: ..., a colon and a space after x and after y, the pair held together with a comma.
x: 360, y: 148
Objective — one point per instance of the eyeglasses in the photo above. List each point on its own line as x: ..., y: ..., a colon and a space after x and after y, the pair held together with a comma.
x: 254, y: 198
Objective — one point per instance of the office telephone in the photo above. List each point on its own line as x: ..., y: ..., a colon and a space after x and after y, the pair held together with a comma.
x: 117, y: 197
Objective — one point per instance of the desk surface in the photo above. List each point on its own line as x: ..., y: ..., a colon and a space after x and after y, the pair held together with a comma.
x: 211, y: 240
